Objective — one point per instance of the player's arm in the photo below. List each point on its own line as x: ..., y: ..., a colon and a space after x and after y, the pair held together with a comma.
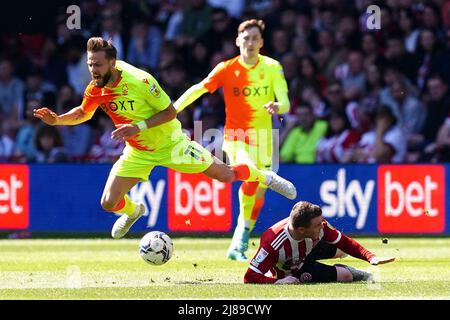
x: 351, y: 246
x: 191, y: 94
x: 264, y: 259
x: 75, y: 116
x: 125, y: 131
x: 210, y: 83
x: 282, y: 105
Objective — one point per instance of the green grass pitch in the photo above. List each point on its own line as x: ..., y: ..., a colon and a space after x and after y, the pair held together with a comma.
x: 113, y: 269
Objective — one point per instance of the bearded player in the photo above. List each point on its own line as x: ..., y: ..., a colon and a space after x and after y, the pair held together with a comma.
x: 250, y: 83
x: 146, y: 120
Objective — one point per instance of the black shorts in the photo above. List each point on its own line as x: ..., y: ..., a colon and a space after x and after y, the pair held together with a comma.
x: 313, y: 271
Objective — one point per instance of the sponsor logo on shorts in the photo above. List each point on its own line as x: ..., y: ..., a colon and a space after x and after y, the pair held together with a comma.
x: 305, y: 277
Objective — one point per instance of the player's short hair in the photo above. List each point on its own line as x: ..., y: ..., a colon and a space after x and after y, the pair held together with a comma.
x: 96, y: 44
x: 247, y: 24
x: 302, y: 213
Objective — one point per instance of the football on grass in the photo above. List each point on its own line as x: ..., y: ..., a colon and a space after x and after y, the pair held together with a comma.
x: 156, y: 248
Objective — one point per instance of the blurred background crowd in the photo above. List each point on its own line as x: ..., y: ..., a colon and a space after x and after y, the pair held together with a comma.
x: 357, y: 95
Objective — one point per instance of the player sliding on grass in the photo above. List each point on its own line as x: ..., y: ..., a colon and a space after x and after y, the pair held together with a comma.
x: 250, y: 84
x: 289, y: 250
x: 146, y: 120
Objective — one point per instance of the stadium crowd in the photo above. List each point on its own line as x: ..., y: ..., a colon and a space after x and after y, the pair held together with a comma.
x: 357, y: 95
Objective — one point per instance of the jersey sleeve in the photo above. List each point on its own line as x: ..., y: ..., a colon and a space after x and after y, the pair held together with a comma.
x: 265, y: 258
x: 346, y: 244
x: 214, y: 79
x: 280, y: 88
x: 154, y: 95
x: 89, y: 104
x: 330, y: 234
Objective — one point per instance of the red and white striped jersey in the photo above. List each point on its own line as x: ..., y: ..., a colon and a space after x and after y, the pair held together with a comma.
x: 279, y: 255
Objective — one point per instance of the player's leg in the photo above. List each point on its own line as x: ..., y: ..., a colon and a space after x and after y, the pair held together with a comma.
x: 316, y: 272
x: 126, y: 173
x: 247, y: 172
x: 350, y: 274
x: 251, y: 201
x: 190, y: 157
x: 115, y: 199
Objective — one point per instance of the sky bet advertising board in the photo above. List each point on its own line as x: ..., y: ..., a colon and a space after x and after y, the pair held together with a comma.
x: 357, y: 199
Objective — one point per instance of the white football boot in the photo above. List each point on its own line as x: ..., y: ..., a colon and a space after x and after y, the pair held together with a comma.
x: 281, y: 185
x: 124, y: 223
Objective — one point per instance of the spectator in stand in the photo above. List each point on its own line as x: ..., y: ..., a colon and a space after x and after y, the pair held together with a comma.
x: 90, y: 19
x: 374, y: 86
x: 25, y: 147
x: 409, y: 28
x: 197, y: 20
x: 222, y: 28
x: 197, y: 65
x: 326, y: 57
x: 309, y: 75
x: 105, y: 149
x: 77, y: 140
x: 111, y: 28
x: 66, y: 97
x: 49, y: 145
x: 234, y: 8
x: 290, y: 65
x: 77, y: 70
x: 312, y: 97
x: 426, y: 53
x: 145, y: 45
x: 334, y: 97
x: 11, y: 93
x: 431, y: 19
x: 37, y: 88
x: 397, y: 55
x: 339, y: 141
x: 174, y: 80
x: 352, y: 72
x: 299, y: 141
x: 441, y: 148
x: 6, y: 145
x: 385, y: 143
x: 371, y: 49
x: 408, y: 109
x: 279, y: 43
x: 437, y: 110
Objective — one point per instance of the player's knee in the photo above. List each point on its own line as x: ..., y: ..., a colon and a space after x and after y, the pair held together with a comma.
x: 108, y: 204
x: 343, y: 274
x: 226, y: 176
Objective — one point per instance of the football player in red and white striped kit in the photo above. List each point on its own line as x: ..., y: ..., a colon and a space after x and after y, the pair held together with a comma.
x: 289, y: 251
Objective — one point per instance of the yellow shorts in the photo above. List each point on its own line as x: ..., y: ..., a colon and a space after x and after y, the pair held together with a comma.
x: 241, y: 152
x: 183, y: 155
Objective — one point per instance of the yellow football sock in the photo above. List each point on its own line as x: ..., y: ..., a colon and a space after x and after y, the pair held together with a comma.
x: 246, y: 203
x: 248, y: 172
x: 126, y: 206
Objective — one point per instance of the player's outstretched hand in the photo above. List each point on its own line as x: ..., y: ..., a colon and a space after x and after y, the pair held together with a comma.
x: 271, y: 107
x: 46, y: 115
x: 378, y: 260
x: 288, y: 280
x: 124, y: 132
